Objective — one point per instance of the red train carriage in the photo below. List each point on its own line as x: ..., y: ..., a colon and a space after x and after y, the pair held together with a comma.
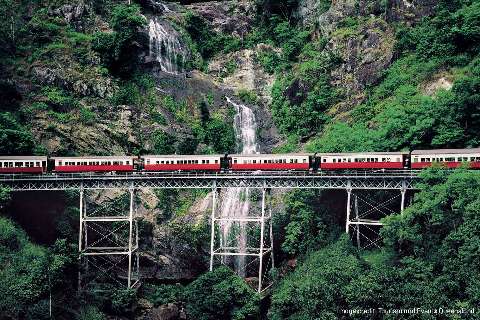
x: 365, y: 160
x: 270, y: 161
x: 182, y: 162
x: 450, y: 158
x: 23, y: 164
x: 94, y: 164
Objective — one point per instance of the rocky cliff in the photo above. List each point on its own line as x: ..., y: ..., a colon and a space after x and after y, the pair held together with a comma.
x: 74, y: 104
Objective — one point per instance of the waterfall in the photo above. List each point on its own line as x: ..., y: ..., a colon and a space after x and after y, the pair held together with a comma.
x: 236, y: 201
x: 166, y: 47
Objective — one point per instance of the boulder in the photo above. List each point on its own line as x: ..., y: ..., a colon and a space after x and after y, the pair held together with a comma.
x: 168, y: 311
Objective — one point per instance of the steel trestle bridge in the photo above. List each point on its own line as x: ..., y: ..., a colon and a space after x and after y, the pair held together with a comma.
x: 379, y: 180
x: 103, y: 252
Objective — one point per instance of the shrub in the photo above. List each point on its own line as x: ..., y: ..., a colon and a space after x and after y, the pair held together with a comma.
x: 221, y: 295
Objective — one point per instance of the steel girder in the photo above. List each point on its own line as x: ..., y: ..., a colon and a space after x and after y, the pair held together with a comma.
x: 367, y: 182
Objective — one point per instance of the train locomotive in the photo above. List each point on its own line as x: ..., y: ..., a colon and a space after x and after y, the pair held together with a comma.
x: 417, y: 159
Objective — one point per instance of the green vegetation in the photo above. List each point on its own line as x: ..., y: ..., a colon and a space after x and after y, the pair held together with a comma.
x: 29, y: 272
x: 205, y: 41
x: 429, y: 253
x: 247, y: 96
x: 300, y: 109
x: 398, y: 114
x: 15, y: 138
x: 221, y: 295
x: 117, y: 48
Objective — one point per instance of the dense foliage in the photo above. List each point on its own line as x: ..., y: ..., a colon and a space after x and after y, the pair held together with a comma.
x: 118, y: 48
x: 398, y: 114
x: 221, y: 295
x: 30, y: 272
x: 430, y: 252
x: 427, y: 262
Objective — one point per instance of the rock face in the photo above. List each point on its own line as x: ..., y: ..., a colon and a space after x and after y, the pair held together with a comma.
x: 365, y: 54
x: 71, y: 80
x: 249, y: 75
x: 362, y: 40
x: 73, y: 13
x: 165, y: 312
x: 410, y: 11
x: 310, y: 12
x: 230, y: 17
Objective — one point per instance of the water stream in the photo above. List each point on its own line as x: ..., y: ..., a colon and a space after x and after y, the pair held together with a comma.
x: 236, y: 201
x: 166, y: 47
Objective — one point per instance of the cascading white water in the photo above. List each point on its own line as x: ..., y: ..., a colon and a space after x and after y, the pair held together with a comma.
x: 165, y: 47
x: 236, y: 201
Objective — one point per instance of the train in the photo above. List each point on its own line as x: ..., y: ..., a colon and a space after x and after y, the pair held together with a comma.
x: 416, y: 159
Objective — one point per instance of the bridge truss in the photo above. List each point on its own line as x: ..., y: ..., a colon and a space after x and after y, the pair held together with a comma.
x: 101, y: 250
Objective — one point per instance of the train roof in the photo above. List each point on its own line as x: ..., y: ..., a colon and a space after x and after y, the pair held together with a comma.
x: 362, y: 153
x: 446, y: 151
x: 176, y: 156
x: 23, y: 158
x: 275, y: 155
x: 94, y: 157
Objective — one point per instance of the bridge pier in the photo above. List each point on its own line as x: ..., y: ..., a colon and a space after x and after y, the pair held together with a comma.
x: 365, y: 219
x: 260, y: 250
x: 108, y: 242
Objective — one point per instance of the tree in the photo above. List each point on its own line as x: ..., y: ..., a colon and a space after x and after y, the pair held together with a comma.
x: 441, y: 233
x: 29, y: 272
x: 221, y: 294
x: 119, y: 48
x: 314, y: 289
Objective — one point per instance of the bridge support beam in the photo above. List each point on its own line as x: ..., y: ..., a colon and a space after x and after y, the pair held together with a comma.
x: 108, y: 242
x: 367, y: 216
x: 402, y: 201
x: 257, y: 253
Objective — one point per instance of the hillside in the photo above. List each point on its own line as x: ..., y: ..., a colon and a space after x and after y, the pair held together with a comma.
x: 110, y: 77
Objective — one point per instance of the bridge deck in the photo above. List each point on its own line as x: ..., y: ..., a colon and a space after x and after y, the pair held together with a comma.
x: 377, y: 179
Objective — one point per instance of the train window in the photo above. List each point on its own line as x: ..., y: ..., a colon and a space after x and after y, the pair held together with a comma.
x: 18, y: 164
x: 216, y: 161
x: 1, y: 164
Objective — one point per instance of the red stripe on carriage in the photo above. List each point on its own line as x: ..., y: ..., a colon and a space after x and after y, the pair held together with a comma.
x: 99, y: 168
x: 270, y: 166
x: 186, y: 167
x: 361, y: 165
x: 22, y: 170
